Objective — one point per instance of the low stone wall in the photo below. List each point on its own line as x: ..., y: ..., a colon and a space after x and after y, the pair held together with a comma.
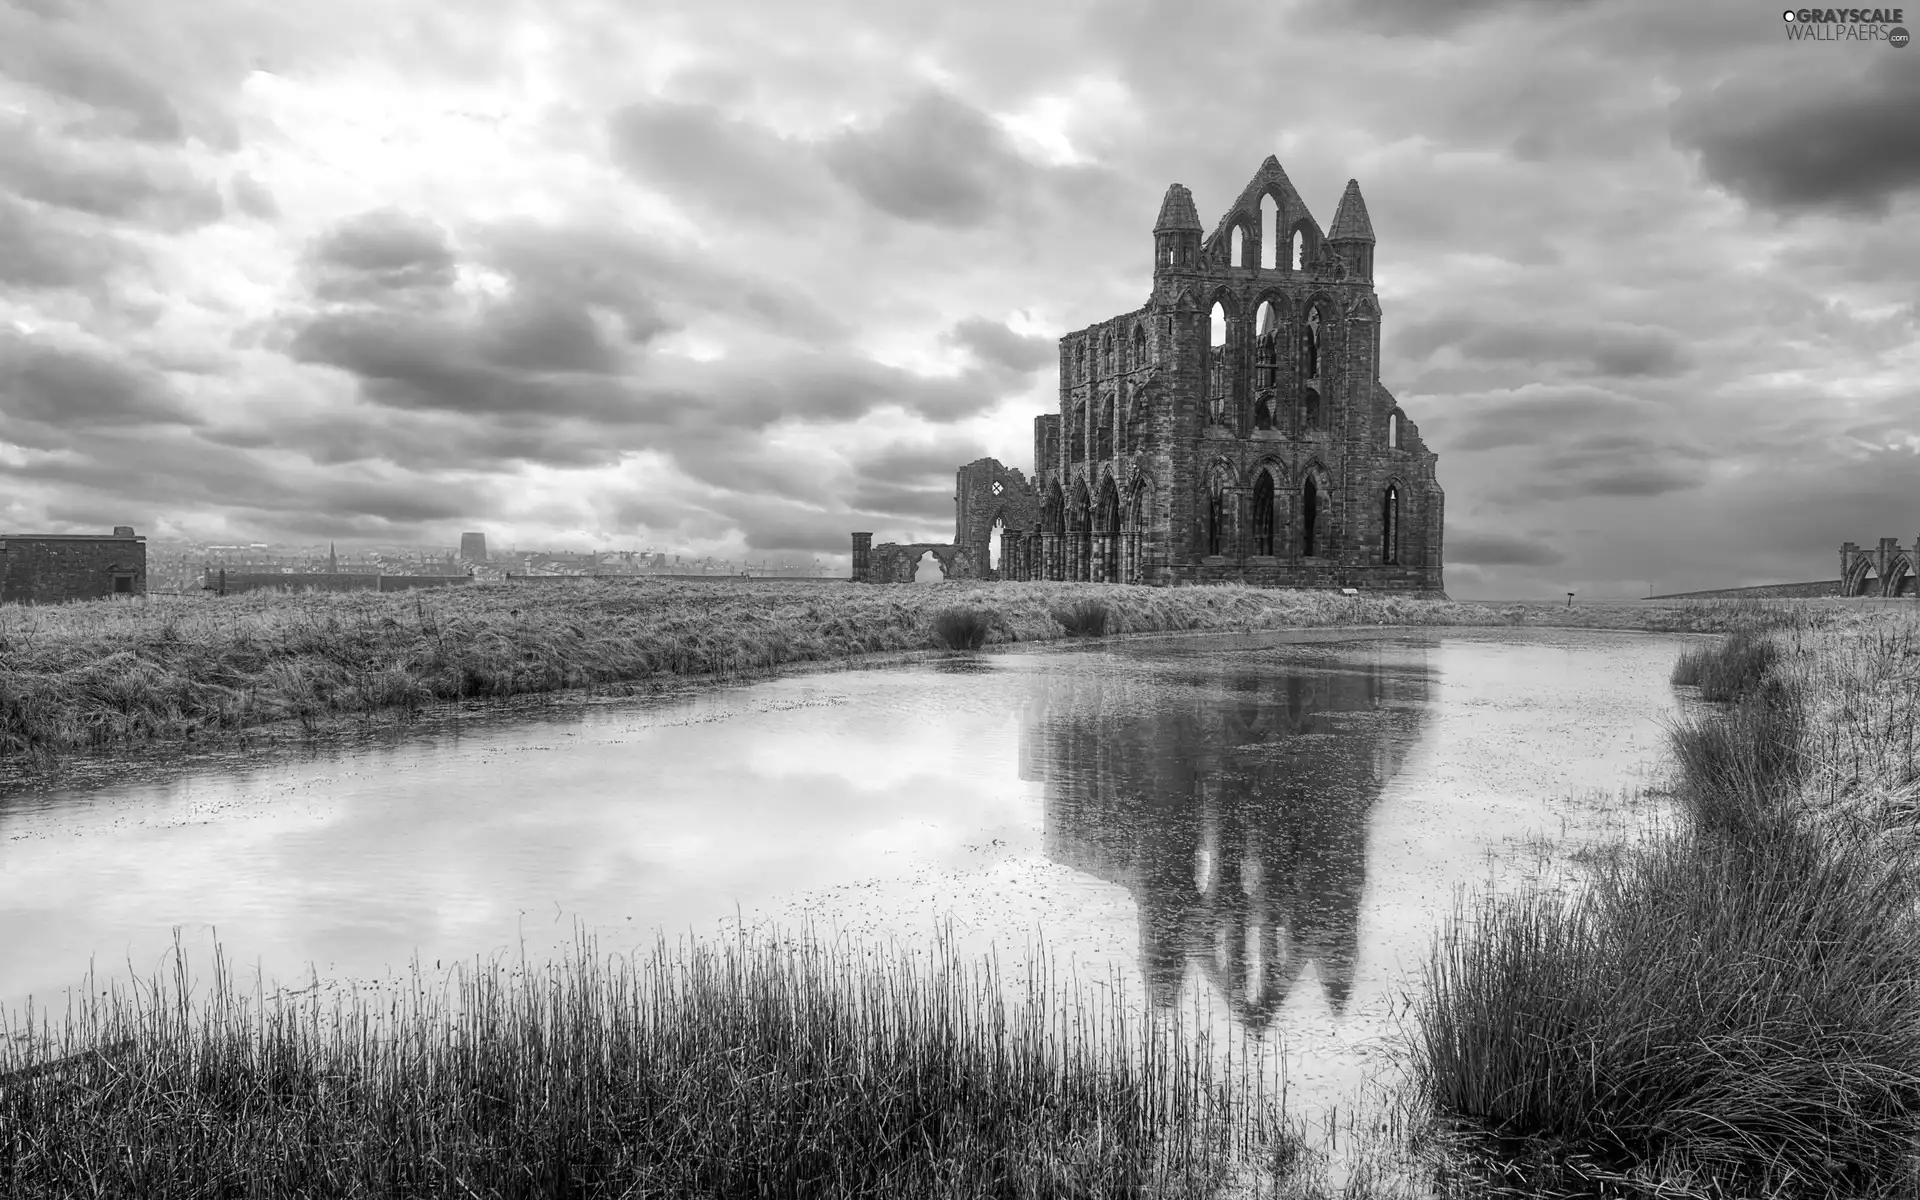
x: 715, y: 577
x: 236, y: 582
x: 1765, y: 591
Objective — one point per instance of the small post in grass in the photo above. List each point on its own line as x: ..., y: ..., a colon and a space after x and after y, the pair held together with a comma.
x: 1569, y: 599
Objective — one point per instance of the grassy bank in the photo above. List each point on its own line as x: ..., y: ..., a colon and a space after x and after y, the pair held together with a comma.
x: 749, y: 1068
x: 107, y: 673
x: 1733, y: 1009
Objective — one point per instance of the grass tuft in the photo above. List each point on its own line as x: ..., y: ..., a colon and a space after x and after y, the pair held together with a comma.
x: 1729, y: 670
x: 962, y: 628
x: 1084, y: 618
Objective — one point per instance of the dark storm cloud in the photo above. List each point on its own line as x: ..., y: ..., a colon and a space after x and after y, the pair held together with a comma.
x: 911, y: 463
x: 382, y: 251
x: 640, y: 280
x: 1498, y: 550
x: 407, y: 361
x: 1596, y: 348
x: 1812, y: 138
x: 71, y: 388
x: 1541, y: 415
x: 37, y: 251
x: 697, y: 152
x: 422, y: 441
x: 61, y: 60
x: 1561, y: 479
x: 107, y: 183
x: 798, y: 532
x: 253, y: 198
x: 900, y: 505
x: 935, y: 160
x: 1423, y: 17
x: 993, y: 343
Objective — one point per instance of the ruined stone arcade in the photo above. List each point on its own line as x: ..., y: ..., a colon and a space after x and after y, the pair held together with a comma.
x: 1233, y: 429
x: 1885, y: 570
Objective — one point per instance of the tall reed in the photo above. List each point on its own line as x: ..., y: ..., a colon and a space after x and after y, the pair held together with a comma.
x: 762, y: 1066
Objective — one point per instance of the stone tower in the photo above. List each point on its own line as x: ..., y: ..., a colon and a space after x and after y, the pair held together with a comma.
x: 473, y: 547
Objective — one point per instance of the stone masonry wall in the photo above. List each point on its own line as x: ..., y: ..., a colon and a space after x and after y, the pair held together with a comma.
x: 49, y: 569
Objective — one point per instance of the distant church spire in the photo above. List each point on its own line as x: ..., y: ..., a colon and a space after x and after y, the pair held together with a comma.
x: 333, y: 564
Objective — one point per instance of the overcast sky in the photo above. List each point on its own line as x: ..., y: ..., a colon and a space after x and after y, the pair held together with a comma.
x: 744, y: 277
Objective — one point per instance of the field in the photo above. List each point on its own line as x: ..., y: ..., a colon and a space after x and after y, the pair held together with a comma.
x: 197, y: 668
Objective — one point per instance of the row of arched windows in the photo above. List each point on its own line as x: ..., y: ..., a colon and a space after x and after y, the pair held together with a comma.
x: 1106, y: 431
x: 1313, y: 532
x: 1113, y: 355
x: 1270, y: 241
x: 1266, y: 365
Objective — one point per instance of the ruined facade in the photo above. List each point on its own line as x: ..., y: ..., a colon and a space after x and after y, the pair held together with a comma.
x: 53, y: 568
x: 1233, y: 429
x: 1885, y: 570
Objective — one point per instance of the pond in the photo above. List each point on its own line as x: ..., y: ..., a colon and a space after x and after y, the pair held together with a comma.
x: 1267, y: 829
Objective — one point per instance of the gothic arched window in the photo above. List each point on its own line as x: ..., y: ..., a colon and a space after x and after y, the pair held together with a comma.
x: 1263, y: 515
x: 1310, y: 500
x: 1310, y: 344
x: 1390, y: 526
x: 1218, y: 379
x: 1266, y: 349
x: 1103, y: 437
x: 1216, y: 513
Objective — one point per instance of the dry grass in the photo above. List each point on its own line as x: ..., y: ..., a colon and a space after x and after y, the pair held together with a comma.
x: 106, y: 673
x: 757, y: 1067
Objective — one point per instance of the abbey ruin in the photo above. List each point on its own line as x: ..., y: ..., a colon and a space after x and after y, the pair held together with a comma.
x: 1233, y: 429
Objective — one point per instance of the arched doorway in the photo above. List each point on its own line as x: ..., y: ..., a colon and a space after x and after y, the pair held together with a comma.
x: 928, y: 569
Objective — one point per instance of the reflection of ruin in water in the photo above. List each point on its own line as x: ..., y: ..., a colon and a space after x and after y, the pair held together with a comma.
x: 1232, y: 798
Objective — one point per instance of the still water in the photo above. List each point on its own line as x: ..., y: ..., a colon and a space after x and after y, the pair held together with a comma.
x: 1266, y: 828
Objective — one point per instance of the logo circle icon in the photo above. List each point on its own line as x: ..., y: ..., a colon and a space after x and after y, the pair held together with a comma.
x: 1787, y: 15
x: 1898, y: 37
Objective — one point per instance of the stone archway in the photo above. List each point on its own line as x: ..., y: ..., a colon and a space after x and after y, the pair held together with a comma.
x: 928, y: 569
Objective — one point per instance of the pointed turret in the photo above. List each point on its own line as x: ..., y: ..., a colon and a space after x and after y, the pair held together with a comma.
x: 1176, y: 235
x: 333, y: 564
x: 1350, y: 222
x: 1177, y: 213
x: 1351, y: 236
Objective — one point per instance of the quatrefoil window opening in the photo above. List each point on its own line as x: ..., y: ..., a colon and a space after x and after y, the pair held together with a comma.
x: 998, y: 487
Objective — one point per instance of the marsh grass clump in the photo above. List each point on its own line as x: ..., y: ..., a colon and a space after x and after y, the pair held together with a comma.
x: 1736, y: 1013
x: 759, y: 1067
x: 962, y: 628
x: 1729, y: 670
x: 1084, y: 618
x: 1740, y: 770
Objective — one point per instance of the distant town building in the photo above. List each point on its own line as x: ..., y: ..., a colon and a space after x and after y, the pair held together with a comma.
x: 473, y: 547
x: 53, y: 568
